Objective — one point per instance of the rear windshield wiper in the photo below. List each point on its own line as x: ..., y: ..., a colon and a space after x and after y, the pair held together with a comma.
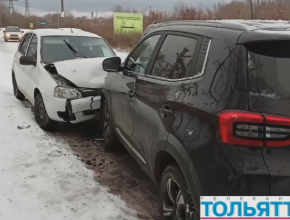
x: 75, y: 52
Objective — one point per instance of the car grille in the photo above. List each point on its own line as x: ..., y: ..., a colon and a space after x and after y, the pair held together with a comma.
x: 14, y: 36
x: 90, y: 92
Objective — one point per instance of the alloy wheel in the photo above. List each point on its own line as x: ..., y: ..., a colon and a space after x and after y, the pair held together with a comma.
x: 173, y: 201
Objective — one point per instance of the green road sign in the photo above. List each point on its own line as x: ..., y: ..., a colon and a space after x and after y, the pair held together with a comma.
x: 43, y: 23
x: 128, y: 23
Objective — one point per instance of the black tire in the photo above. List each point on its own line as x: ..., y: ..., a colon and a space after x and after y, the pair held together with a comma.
x: 41, y: 115
x: 111, y: 141
x: 178, y: 204
x: 17, y: 93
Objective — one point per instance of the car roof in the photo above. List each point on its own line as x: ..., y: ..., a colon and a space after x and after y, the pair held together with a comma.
x: 226, y: 29
x: 242, y: 25
x: 63, y: 32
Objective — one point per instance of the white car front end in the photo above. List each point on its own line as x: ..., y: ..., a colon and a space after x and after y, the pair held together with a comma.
x: 61, y: 73
x: 77, y: 93
x: 13, y: 36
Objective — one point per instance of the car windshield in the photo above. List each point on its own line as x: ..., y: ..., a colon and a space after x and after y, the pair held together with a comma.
x: 59, y: 48
x: 13, y: 29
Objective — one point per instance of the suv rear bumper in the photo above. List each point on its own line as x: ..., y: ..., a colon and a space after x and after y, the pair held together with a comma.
x: 232, y: 171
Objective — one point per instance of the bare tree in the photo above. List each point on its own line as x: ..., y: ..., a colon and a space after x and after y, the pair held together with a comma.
x: 255, y: 6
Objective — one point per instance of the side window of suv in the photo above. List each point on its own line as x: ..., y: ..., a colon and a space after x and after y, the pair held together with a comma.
x: 32, y: 50
x: 139, y: 59
x: 175, y: 57
x: 25, y: 43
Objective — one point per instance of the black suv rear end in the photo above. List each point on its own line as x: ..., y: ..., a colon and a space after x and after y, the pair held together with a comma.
x: 205, y: 111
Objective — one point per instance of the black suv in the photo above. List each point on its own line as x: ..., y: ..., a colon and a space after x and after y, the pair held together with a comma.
x: 204, y: 107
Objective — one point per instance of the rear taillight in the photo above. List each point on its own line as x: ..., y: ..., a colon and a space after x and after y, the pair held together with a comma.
x: 253, y: 129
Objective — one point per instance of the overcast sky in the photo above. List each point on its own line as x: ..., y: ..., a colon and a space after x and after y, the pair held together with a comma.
x: 86, y: 6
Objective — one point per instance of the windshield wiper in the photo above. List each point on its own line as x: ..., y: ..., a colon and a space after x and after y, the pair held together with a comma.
x: 75, y: 52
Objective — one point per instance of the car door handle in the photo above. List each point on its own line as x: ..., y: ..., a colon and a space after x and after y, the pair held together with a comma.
x: 131, y: 94
x: 166, y: 111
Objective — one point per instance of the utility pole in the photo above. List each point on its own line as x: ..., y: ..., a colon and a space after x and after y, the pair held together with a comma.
x: 27, y: 12
x: 62, y: 7
x: 11, y: 6
x: 62, y: 15
x: 92, y: 21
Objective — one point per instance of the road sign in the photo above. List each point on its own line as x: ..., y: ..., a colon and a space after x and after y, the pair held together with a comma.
x: 128, y: 23
x: 31, y: 25
x: 43, y: 23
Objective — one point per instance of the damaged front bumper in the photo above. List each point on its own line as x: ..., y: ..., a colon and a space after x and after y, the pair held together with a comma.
x: 73, y: 111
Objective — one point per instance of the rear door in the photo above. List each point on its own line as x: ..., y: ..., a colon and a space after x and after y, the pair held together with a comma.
x: 158, y: 94
x: 19, y: 69
x: 269, y: 93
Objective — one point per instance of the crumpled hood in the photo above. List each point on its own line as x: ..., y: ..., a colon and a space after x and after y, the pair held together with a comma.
x: 87, y: 73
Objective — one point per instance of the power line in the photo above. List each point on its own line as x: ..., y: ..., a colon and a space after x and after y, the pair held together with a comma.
x: 27, y: 4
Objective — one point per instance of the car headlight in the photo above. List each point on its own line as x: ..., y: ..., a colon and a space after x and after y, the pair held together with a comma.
x: 19, y: 35
x: 8, y: 35
x: 67, y: 93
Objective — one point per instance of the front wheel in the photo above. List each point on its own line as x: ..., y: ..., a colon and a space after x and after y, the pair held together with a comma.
x: 110, y: 139
x: 174, y: 196
x: 41, y: 115
x: 19, y: 95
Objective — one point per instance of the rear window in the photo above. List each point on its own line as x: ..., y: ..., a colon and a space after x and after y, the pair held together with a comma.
x: 268, y: 69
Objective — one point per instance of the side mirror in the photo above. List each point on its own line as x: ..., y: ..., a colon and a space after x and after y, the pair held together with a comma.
x: 22, y: 32
x: 3, y: 31
x: 112, y: 64
x: 27, y: 61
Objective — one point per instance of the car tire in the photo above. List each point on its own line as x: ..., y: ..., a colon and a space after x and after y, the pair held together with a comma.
x: 175, y: 199
x: 110, y: 139
x: 17, y: 93
x: 41, y: 115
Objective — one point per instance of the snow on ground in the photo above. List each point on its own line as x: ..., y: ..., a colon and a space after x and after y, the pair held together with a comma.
x: 39, y: 176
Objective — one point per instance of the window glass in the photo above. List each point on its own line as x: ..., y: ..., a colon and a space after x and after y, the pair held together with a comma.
x: 59, y: 48
x: 174, y: 58
x: 13, y: 29
x: 25, y: 43
x: 32, y: 50
x: 268, y: 69
x: 139, y: 59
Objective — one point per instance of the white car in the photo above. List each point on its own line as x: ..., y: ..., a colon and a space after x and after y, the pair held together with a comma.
x: 12, y: 33
x: 60, y: 72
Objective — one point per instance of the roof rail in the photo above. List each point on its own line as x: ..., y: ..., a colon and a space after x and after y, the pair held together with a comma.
x: 204, y: 23
x: 162, y: 21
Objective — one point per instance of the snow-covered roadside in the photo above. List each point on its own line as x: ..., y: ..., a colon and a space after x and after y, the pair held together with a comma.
x: 40, y: 178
